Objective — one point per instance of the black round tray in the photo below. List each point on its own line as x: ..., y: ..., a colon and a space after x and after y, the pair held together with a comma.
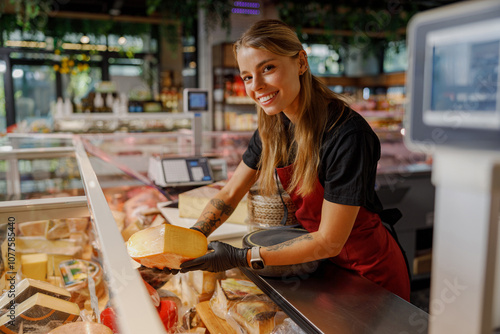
x: 270, y: 237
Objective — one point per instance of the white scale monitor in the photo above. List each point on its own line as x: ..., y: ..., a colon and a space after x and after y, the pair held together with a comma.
x: 173, y: 172
x: 187, y: 171
x: 453, y: 81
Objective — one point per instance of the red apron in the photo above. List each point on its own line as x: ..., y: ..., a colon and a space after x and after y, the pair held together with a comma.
x: 370, y: 250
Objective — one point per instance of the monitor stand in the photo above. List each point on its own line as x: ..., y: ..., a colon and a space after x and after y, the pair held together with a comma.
x: 465, y: 280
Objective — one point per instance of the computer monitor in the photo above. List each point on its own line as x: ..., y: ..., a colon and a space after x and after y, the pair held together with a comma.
x: 196, y: 100
x: 453, y: 84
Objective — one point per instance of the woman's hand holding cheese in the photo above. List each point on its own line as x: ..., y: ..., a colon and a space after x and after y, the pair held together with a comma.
x: 222, y: 258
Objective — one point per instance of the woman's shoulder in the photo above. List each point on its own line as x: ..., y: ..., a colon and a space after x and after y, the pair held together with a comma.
x: 345, y: 121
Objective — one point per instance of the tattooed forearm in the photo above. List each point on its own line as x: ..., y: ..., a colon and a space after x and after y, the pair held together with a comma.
x: 289, y: 243
x: 208, y: 222
x: 211, y: 218
x: 223, y: 207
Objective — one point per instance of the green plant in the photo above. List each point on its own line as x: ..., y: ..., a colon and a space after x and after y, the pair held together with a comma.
x: 364, y: 24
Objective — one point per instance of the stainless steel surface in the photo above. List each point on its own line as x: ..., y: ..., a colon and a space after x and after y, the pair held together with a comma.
x: 334, y: 300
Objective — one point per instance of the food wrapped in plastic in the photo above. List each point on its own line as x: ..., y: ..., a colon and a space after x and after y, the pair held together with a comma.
x: 288, y: 326
x: 139, y: 200
x: 229, y: 291
x: 39, y: 314
x: 75, y: 275
x: 254, y: 315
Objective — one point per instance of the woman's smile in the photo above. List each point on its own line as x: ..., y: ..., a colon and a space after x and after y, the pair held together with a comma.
x: 271, y: 80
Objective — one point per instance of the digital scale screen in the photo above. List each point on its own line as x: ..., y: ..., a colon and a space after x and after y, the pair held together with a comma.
x: 461, y: 76
x: 187, y: 171
x: 197, y: 101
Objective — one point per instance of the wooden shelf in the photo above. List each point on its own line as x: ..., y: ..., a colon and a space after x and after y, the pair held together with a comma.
x: 384, y: 80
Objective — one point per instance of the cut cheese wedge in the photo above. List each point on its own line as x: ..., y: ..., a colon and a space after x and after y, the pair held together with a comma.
x: 34, y: 266
x: 166, y: 246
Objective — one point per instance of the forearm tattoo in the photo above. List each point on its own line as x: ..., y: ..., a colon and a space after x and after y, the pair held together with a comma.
x: 211, y: 219
x: 289, y: 243
x: 223, y: 207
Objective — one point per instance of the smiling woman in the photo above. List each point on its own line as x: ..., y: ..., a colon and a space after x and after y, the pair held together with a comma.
x: 272, y: 80
x: 325, y: 156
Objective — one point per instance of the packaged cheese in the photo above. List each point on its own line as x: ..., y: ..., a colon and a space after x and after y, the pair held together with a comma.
x: 56, y: 250
x: 253, y: 316
x: 134, y: 227
x: 204, y: 281
x: 39, y: 314
x: 229, y: 291
x: 166, y: 246
x: 34, y: 266
x: 57, y: 229
x: 33, y: 229
x: 192, y: 203
x: 29, y: 287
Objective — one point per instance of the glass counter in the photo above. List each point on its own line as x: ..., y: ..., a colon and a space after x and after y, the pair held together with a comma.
x: 101, y: 244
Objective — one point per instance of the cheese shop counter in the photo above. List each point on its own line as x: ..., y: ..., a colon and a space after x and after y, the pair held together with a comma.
x: 334, y: 300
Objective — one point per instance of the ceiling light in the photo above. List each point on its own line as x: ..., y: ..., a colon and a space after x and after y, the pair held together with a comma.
x: 85, y: 39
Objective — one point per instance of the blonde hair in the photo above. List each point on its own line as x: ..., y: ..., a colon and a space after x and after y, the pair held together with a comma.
x: 314, y: 97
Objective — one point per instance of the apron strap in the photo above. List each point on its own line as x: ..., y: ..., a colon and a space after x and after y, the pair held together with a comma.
x: 391, y: 217
x: 285, y: 214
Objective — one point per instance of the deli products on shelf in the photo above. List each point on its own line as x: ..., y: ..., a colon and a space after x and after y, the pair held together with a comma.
x: 28, y: 287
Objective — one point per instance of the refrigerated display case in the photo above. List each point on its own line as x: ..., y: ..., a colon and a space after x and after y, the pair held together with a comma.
x: 126, y: 291
x: 116, y: 155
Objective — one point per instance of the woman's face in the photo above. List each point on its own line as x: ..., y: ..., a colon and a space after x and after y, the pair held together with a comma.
x: 272, y: 81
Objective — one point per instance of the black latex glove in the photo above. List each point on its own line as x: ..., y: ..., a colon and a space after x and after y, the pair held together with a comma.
x: 222, y: 258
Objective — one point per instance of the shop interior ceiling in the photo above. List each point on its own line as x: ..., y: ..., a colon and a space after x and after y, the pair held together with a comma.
x: 140, y: 7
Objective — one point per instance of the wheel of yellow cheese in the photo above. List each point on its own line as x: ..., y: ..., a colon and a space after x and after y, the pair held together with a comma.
x: 82, y: 327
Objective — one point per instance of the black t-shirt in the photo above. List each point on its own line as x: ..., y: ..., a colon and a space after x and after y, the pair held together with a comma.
x: 348, y: 161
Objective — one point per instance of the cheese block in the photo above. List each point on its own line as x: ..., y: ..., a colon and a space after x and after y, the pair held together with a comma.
x: 33, y: 229
x: 76, y: 225
x: 56, y: 250
x: 204, y: 281
x: 136, y: 226
x: 166, y: 246
x: 192, y: 203
x: 230, y: 290
x: 82, y: 327
x: 39, y: 314
x: 57, y: 229
x: 254, y: 316
x: 27, y: 288
x: 34, y: 266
